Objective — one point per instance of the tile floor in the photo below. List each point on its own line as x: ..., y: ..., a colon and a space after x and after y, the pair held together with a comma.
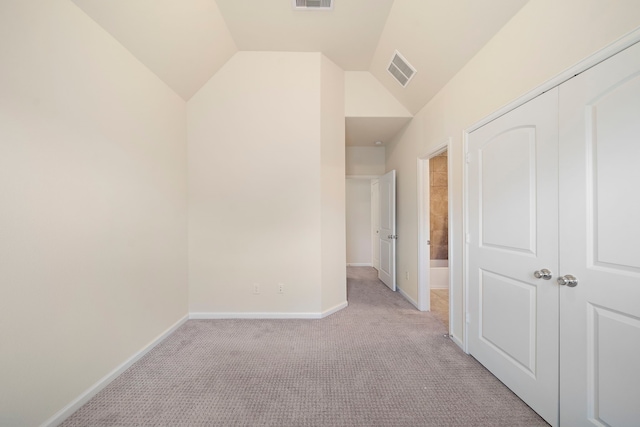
x: 440, y: 305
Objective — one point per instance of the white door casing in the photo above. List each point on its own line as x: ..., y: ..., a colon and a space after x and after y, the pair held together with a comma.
x: 513, y: 230
x: 424, y: 233
x: 599, y: 238
x: 387, y: 200
x: 375, y: 223
x: 424, y: 223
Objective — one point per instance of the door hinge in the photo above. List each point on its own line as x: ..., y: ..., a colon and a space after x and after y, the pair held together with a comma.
x: 468, y: 157
x: 468, y: 238
x: 468, y: 318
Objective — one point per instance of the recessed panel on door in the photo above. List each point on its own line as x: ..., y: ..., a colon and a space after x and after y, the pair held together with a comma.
x: 385, y: 259
x: 614, y: 124
x: 614, y: 344
x: 508, y: 318
x: 508, y: 188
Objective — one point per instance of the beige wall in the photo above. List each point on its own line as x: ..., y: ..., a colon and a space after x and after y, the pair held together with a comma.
x: 365, y: 96
x: 263, y: 188
x: 93, y: 246
x: 368, y: 161
x: 359, y: 249
x: 332, y: 166
x: 543, y: 39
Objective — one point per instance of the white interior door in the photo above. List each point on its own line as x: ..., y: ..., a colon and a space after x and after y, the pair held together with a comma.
x: 387, y: 191
x: 375, y: 223
x: 599, y: 237
x: 513, y: 233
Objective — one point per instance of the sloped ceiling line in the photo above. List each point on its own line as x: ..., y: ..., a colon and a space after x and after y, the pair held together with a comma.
x: 186, y: 42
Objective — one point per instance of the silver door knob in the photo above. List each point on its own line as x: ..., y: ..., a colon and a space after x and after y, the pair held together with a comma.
x: 543, y: 274
x: 568, y: 280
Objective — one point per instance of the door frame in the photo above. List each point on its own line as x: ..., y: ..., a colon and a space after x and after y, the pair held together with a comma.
x: 375, y: 231
x: 369, y: 178
x: 424, y: 212
x: 595, y: 58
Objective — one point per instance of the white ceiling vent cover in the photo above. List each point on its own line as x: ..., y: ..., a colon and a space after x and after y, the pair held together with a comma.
x: 312, y: 4
x: 400, y: 69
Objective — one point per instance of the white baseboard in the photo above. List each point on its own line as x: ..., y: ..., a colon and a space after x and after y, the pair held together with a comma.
x: 65, y: 412
x: 359, y: 264
x: 439, y: 287
x: 457, y: 341
x: 252, y: 315
x: 407, y: 297
x: 332, y: 310
x: 266, y: 315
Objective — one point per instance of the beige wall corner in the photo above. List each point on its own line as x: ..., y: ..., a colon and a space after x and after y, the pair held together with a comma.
x: 93, y: 189
x: 184, y: 46
x: 365, y: 161
x: 254, y: 134
x: 542, y: 40
x: 365, y: 96
x: 332, y: 165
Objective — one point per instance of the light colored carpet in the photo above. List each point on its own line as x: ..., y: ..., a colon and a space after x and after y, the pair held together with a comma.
x: 378, y: 362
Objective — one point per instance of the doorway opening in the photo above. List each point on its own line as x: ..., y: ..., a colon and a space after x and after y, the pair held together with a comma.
x: 433, y: 216
x: 439, y: 233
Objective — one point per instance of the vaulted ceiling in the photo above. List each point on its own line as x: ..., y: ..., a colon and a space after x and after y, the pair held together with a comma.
x: 185, y: 42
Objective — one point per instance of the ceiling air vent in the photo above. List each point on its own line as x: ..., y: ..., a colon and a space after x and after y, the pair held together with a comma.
x: 312, y: 4
x: 400, y: 69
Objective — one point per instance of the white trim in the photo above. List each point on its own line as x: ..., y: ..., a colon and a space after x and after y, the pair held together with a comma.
x: 592, y: 60
x: 72, y: 407
x: 251, y: 315
x: 265, y: 315
x: 359, y: 264
x: 362, y: 176
x: 407, y: 297
x: 375, y: 232
x: 451, y: 261
x: 456, y: 340
x: 424, y: 297
x: 465, y: 249
x: 334, y: 309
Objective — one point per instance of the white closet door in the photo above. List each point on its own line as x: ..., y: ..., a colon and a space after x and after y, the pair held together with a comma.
x: 600, y: 244
x: 513, y: 227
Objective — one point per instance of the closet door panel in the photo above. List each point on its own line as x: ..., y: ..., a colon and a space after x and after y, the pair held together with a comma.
x: 599, y: 238
x: 513, y: 232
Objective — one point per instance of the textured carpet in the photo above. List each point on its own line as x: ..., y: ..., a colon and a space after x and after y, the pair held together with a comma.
x: 378, y: 362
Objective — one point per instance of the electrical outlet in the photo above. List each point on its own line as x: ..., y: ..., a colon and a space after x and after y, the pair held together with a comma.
x: 406, y: 275
x: 281, y: 288
x: 256, y: 288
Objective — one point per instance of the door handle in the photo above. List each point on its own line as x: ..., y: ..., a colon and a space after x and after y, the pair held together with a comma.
x: 568, y: 280
x: 543, y: 274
